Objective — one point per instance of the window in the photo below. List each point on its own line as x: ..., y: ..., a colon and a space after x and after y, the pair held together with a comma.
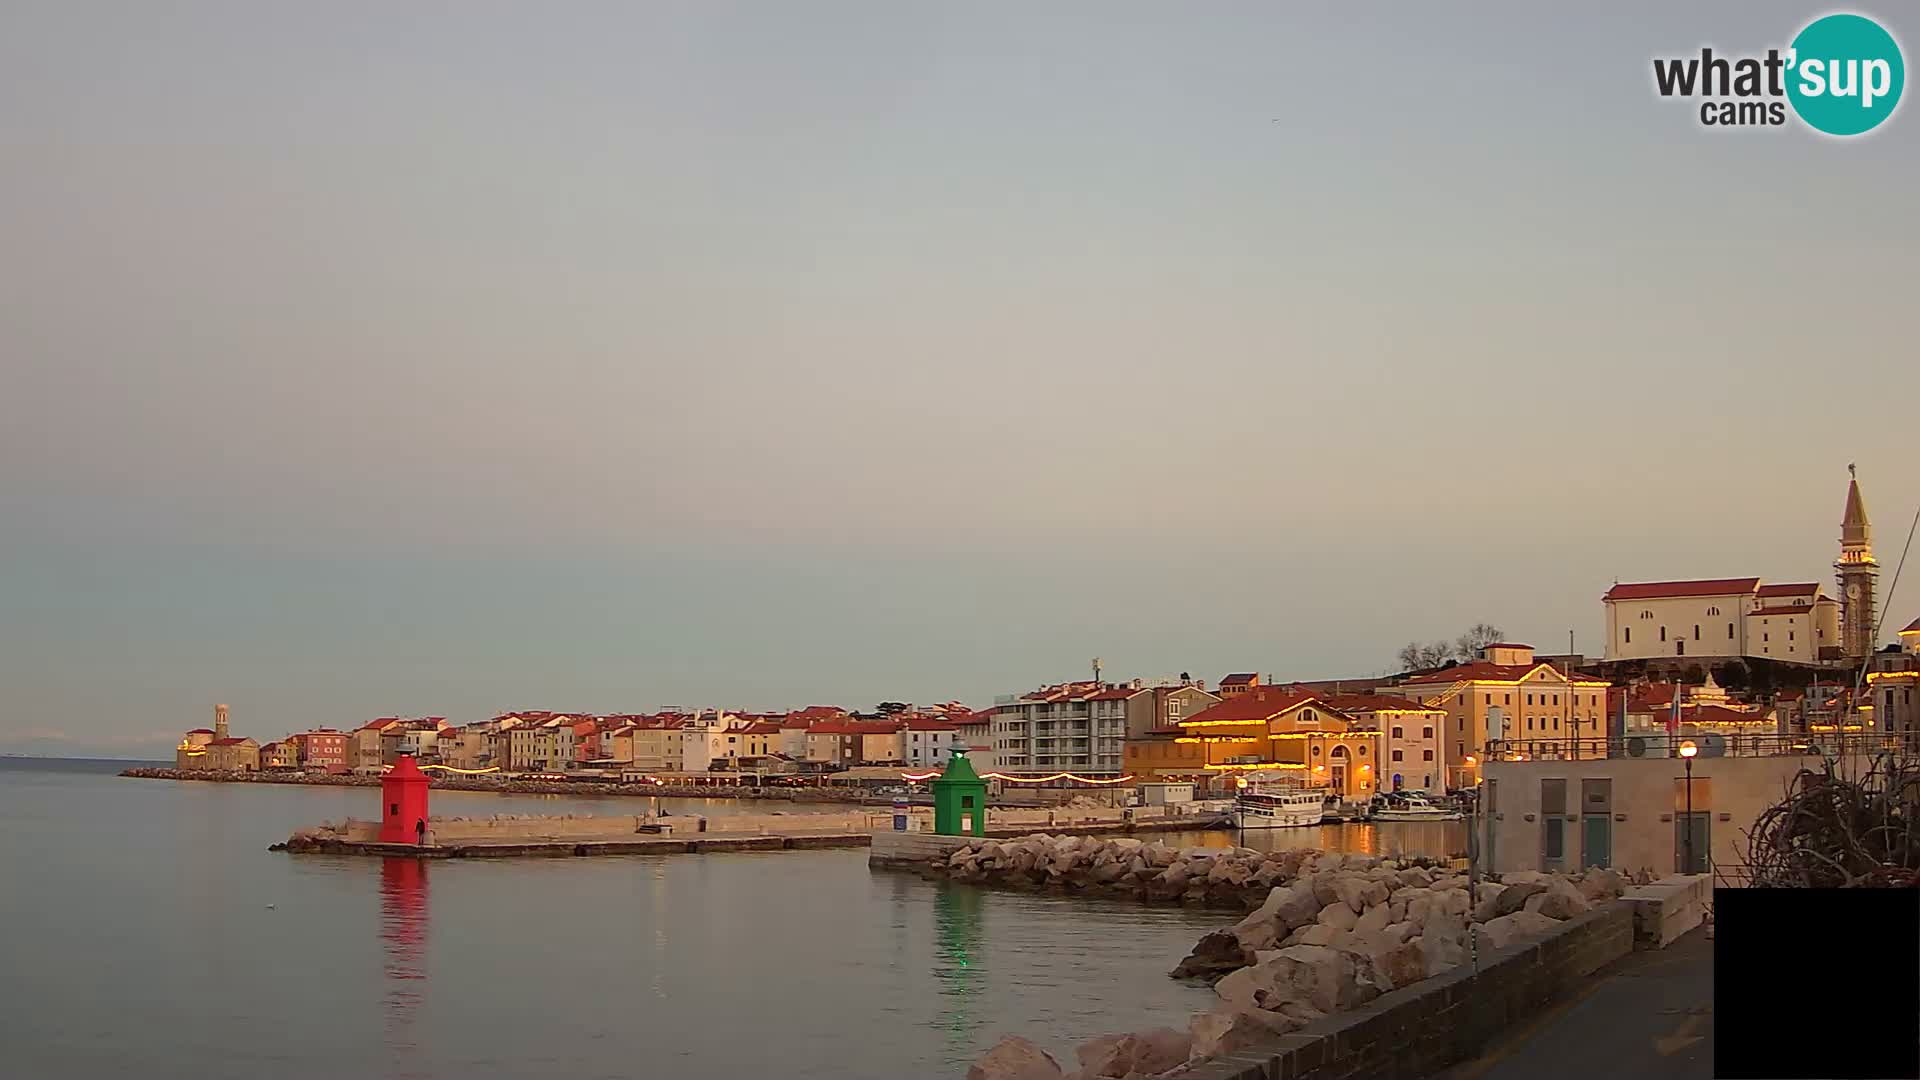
x: 1363, y: 749
x: 1426, y: 755
x: 1628, y: 631
x: 1729, y: 631
x: 1789, y: 635
x: 1696, y: 631
x: 1396, y: 753
x: 1529, y: 723
x: 1763, y: 637
x: 1529, y: 699
x: 1426, y: 733
x: 1646, y: 614
x: 1506, y: 699
x: 1713, y: 611
x: 1460, y: 749
x: 1663, y: 633
x: 1556, y: 723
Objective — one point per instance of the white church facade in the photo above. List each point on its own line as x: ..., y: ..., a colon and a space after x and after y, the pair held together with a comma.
x: 1743, y: 617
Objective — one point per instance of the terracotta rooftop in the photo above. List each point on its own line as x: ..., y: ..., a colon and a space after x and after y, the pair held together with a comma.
x: 1912, y: 627
x: 1660, y: 590
x: 1487, y: 670
x: 1258, y: 703
x: 1804, y: 588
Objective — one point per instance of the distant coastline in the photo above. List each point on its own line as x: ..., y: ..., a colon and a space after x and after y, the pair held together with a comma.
x: 503, y: 787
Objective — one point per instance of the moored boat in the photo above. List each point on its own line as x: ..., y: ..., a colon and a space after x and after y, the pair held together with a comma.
x: 1271, y: 801
x: 1410, y: 807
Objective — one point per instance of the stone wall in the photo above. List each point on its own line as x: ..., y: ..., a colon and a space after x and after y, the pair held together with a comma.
x: 1423, y: 1028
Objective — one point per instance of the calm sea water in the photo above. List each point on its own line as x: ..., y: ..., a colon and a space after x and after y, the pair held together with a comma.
x: 147, y: 930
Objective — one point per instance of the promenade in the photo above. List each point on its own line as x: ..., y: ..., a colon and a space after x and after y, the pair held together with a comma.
x: 1648, y: 1015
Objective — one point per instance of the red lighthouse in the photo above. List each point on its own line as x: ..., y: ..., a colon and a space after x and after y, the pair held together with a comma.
x: 403, y: 791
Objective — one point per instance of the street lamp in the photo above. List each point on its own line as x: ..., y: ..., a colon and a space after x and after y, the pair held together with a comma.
x: 1687, y: 751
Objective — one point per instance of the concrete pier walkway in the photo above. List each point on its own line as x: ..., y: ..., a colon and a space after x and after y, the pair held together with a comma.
x: 1647, y: 1015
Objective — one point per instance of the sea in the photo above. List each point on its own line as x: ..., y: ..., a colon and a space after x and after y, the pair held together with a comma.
x: 146, y: 930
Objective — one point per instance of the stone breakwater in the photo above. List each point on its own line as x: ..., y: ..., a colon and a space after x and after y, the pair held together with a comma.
x: 508, y: 786
x: 1329, y: 933
x: 1233, y: 878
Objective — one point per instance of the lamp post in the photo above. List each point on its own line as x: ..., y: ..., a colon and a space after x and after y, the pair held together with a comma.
x: 1687, y: 751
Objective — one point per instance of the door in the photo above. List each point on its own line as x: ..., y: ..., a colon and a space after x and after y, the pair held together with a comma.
x: 1692, y: 858
x: 1553, y: 843
x: 1596, y: 841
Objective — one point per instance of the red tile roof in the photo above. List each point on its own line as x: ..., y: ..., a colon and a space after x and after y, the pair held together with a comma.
x: 928, y: 723
x: 1805, y: 588
x: 201, y: 731
x: 1118, y: 693
x: 1244, y: 678
x: 763, y: 728
x: 1658, y: 590
x: 1484, y: 669
x: 1506, y: 645
x: 1912, y: 627
x: 1258, y: 703
x: 226, y: 742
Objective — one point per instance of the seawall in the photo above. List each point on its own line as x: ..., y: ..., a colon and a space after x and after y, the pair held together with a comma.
x: 1439, y: 1021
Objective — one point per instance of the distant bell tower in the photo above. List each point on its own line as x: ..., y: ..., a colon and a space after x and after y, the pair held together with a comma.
x: 1857, y: 572
x: 219, y: 721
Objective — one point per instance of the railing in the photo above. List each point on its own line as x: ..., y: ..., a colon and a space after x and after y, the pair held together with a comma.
x: 1707, y: 745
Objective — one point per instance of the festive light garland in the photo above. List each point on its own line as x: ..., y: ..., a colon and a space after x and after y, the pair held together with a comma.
x: 918, y: 777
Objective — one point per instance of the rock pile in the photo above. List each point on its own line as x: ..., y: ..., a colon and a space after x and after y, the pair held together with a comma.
x: 1238, y: 878
x: 1330, y: 933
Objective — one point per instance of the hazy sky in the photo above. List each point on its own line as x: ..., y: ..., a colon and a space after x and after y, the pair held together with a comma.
x: 360, y: 359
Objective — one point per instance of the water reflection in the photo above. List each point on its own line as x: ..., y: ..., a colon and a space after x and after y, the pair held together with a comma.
x: 403, y: 929
x: 1438, y: 839
x: 958, y: 932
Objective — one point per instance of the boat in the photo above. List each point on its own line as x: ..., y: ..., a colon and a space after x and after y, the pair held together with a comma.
x: 1270, y: 801
x: 1410, y: 807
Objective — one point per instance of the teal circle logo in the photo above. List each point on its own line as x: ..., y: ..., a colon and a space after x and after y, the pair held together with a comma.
x: 1845, y: 74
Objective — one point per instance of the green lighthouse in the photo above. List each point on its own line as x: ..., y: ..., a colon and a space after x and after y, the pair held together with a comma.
x: 960, y: 798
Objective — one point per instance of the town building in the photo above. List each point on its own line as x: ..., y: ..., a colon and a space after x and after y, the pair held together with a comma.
x: 1154, y: 705
x: 1893, y: 679
x: 1632, y: 813
x: 1265, y: 729
x: 926, y: 741
x: 322, y: 748
x: 1078, y: 728
x: 232, y: 755
x: 659, y: 744
x: 284, y: 754
x: 1743, y: 618
x: 1721, y: 618
x: 975, y: 733
x: 1857, y: 572
x: 1506, y: 693
x: 1238, y: 683
x: 365, y: 752
x: 834, y: 743
x: 1412, y: 737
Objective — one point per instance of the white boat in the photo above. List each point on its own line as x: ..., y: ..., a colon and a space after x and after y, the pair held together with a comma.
x: 1272, y: 802
x: 1412, y: 808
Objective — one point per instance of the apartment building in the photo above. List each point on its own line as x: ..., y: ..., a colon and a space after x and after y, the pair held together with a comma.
x: 1078, y: 727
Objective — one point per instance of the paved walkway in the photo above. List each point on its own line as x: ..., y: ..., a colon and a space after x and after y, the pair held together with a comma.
x: 1648, y: 1015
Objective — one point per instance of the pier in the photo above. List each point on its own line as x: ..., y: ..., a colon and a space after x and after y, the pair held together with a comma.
x: 562, y: 837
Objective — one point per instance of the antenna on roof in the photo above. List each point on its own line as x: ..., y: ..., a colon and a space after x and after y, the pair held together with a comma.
x: 1096, y: 669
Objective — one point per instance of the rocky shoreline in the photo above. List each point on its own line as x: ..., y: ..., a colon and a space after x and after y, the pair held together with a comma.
x: 510, y: 787
x: 1326, y: 933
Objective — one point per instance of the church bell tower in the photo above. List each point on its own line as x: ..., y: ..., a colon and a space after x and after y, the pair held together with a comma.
x: 1857, y: 572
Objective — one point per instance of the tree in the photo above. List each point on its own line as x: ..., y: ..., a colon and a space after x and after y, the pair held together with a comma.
x: 890, y: 708
x: 1414, y: 656
x: 1478, y: 636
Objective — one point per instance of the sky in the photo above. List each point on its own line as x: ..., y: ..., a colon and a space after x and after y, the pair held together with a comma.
x: 448, y: 358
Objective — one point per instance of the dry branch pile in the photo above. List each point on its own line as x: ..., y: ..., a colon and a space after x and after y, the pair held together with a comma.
x: 1838, y: 831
